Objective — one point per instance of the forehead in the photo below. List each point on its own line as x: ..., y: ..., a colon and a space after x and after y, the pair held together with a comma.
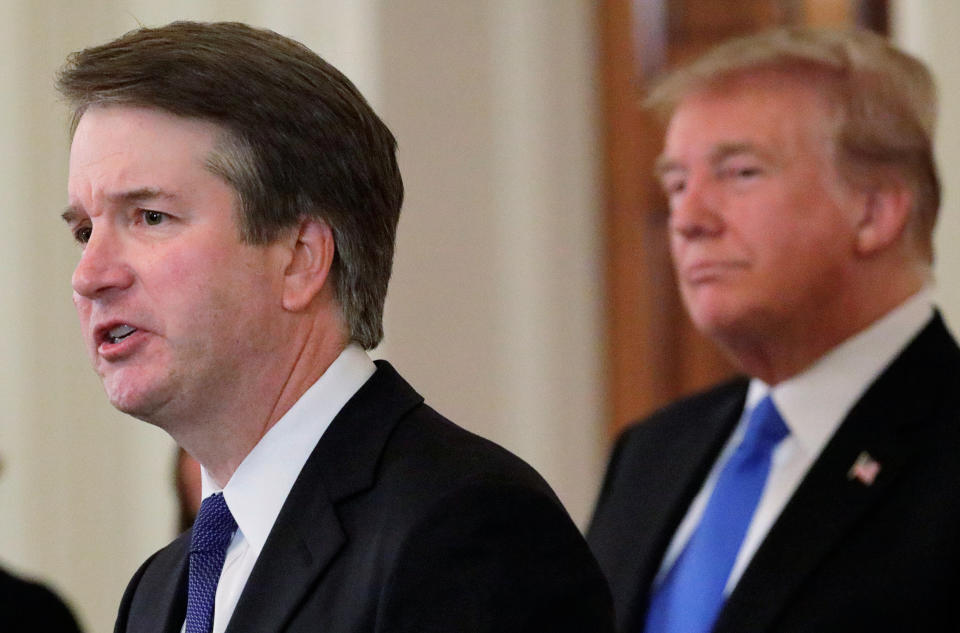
x: 770, y: 112
x: 115, y: 145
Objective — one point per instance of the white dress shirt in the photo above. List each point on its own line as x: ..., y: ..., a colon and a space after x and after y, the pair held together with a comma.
x: 813, y: 404
x: 262, y: 481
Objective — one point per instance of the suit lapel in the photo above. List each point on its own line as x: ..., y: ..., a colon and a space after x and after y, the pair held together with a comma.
x: 162, y: 592
x: 886, y: 424
x: 173, y: 599
x: 695, y: 440
x: 308, y: 534
x: 292, y: 558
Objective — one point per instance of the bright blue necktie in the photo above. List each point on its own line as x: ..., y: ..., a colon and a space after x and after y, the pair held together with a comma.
x: 691, y: 595
x: 212, y: 531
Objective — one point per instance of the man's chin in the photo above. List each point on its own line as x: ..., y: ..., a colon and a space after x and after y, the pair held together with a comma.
x: 719, y: 324
x: 711, y: 317
x: 135, y: 401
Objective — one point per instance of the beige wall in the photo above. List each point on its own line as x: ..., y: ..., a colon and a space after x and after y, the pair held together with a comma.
x: 928, y: 29
x: 494, y: 309
x: 495, y: 305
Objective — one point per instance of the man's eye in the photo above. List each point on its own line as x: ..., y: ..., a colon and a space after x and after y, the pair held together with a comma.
x: 741, y: 171
x: 152, y: 218
x: 673, y: 186
x: 82, y: 234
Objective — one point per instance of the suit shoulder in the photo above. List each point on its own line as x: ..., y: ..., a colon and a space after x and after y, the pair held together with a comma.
x: 495, y: 557
x: 654, y: 448
x: 721, y: 399
x: 427, y: 449
x: 467, y: 513
x: 150, y: 592
x: 32, y: 606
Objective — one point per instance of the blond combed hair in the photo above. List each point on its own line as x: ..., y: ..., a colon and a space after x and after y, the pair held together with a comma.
x: 883, y: 100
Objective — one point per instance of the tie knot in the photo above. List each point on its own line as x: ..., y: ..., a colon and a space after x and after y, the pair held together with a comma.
x: 214, y: 526
x: 766, y: 427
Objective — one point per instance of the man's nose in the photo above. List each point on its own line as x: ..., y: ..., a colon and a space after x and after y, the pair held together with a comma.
x: 102, y: 267
x: 696, y: 212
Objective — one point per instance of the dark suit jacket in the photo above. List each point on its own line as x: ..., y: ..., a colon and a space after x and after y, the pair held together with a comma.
x: 843, y: 556
x: 400, y: 521
x: 27, y: 606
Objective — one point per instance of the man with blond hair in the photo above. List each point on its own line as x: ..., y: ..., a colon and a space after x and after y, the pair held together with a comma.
x: 818, y: 492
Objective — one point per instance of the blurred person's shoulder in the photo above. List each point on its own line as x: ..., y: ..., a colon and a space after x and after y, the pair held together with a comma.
x: 27, y: 605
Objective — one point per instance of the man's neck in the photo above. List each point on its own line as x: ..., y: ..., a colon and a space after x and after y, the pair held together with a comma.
x: 786, y: 351
x: 221, y: 438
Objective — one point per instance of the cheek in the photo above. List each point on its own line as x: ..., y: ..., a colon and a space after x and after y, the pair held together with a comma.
x: 785, y: 234
x: 191, y: 275
x: 212, y: 288
x: 676, y: 248
x: 808, y: 265
x: 237, y: 304
x: 180, y: 266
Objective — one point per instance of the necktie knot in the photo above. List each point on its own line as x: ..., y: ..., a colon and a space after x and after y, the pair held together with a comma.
x: 765, y: 429
x: 214, y: 525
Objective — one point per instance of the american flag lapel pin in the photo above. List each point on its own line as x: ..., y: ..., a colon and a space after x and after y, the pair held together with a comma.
x: 865, y: 469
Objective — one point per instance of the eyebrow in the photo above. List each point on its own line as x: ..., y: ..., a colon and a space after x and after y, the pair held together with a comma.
x: 133, y: 196
x: 664, y: 164
x: 725, y: 150
x: 717, y: 155
x: 70, y: 214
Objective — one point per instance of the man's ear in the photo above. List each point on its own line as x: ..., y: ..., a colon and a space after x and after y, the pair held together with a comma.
x: 885, y: 214
x: 312, y: 253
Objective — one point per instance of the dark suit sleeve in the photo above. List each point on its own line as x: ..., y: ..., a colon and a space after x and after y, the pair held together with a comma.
x: 495, y: 558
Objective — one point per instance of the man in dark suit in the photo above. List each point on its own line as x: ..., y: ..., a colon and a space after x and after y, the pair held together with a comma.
x: 236, y: 201
x: 819, y: 492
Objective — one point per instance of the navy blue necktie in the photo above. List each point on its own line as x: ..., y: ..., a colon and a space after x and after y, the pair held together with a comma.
x: 212, y: 531
x: 691, y: 595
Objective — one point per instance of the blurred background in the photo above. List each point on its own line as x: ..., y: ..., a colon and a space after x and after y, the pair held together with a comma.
x: 532, y: 299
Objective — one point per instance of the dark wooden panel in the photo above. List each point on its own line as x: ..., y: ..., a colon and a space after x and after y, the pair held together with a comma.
x: 638, y: 365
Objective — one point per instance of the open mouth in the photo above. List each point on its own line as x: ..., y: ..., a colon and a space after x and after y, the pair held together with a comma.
x: 120, y: 332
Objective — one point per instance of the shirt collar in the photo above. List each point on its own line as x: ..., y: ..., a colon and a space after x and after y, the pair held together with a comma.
x: 262, y: 481
x: 814, y: 402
